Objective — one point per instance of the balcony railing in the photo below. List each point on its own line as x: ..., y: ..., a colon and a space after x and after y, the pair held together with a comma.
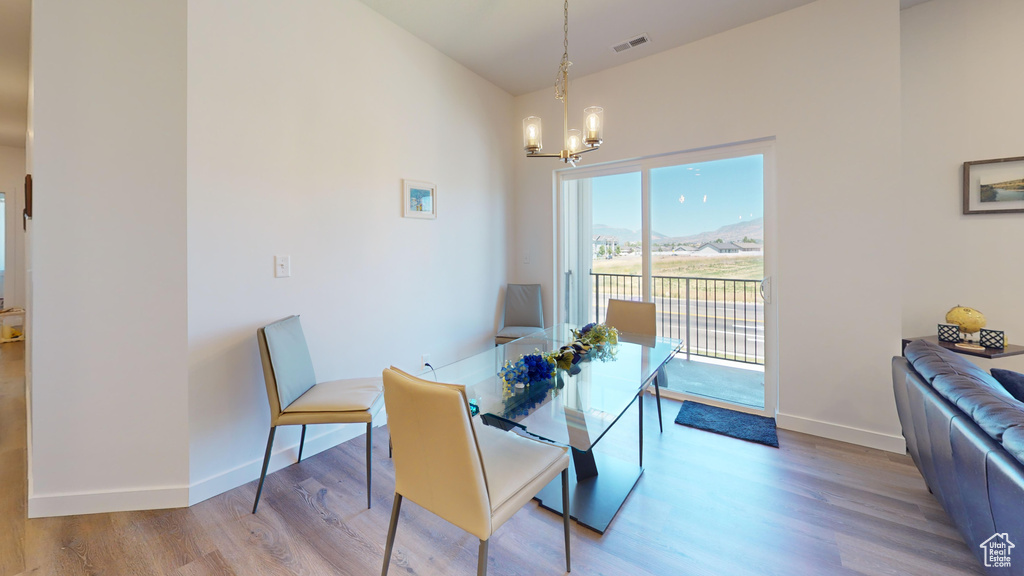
x: 716, y: 317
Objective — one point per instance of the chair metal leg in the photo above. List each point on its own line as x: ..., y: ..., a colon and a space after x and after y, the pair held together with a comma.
x: 263, y: 474
x: 565, y: 517
x: 391, y: 533
x: 481, y: 561
x: 640, y: 403
x: 302, y: 442
x: 657, y: 394
x: 369, y: 433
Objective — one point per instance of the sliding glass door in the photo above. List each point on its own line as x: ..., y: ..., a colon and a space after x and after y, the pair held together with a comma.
x: 689, y: 233
x: 602, y: 243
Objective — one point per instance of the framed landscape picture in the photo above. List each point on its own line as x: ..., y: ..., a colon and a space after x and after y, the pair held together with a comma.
x: 994, y: 186
x: 419, y: 199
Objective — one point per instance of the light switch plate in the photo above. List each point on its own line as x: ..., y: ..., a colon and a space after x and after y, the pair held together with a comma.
x: 282, y: 266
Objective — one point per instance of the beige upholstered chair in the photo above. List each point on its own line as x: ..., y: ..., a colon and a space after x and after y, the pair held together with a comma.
x: 296, y: 398
x: 524, y: 313
x: 638, y: 318
x: 474, y: 476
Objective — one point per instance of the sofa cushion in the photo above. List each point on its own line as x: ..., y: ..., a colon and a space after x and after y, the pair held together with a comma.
x: 1012, y: 381
x: 994, y: 413
x: 971, y: 448
x: 1013, y: 441
x: 931, y: 360
x: 1005, y: 486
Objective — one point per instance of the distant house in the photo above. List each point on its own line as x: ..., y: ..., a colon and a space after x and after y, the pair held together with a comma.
x: 749, y: 246
x: 709, y: 248
x: 609, y: 243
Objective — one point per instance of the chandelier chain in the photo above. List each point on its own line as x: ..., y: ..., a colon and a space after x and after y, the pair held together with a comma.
x: 574, y: 142
x: 563, y: 68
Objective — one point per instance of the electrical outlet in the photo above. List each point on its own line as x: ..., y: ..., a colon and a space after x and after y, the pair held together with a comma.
x: 424, y: 360
x: 282, y: 266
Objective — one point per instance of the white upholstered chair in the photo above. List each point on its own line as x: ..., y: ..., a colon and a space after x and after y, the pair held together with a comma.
x: 638, y: 318
x: 472, y: 475
x: 296, y: 397
x: 524, y: 313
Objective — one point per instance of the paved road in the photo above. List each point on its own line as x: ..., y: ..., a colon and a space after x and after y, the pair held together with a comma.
x: 722, y: 329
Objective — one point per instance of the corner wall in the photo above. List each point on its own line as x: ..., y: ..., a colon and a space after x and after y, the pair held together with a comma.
x: 108, y: 335
x: 961, y: 102
x: 824, y: 80
x: 303, y: 119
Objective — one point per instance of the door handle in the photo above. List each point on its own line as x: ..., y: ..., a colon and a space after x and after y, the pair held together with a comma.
x: 766, y: 289
x: 568, y: 293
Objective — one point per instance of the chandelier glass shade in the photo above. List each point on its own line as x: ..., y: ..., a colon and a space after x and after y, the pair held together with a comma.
x: 574, y: 142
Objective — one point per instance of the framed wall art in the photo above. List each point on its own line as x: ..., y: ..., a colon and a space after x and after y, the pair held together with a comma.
x: 994, y: 186
x: 419, y: 199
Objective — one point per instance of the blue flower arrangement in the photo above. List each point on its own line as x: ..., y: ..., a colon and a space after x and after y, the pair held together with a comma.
x: 529, y: 368
x: 520, y: 404
x: 595, y: 334
x: 540, y: 366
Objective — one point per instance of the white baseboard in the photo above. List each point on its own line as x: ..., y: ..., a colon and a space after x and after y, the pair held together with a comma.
x: 43, y: 506
x: 46, y: 505
x: 281, y: 457
x: 869, y: 438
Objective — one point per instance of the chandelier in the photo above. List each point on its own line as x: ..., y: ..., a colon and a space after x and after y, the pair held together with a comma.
x: 574, y: 142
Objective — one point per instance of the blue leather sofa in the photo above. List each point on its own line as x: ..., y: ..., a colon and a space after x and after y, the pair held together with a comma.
x: 965, y: 432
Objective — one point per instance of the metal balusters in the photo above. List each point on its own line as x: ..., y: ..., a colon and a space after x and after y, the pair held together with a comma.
x: 696, y: 310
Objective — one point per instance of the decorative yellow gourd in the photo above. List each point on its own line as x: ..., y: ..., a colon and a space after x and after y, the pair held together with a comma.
x: 968, y: 319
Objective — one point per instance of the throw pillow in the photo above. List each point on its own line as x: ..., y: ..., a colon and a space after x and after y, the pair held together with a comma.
x: 1012, y: 381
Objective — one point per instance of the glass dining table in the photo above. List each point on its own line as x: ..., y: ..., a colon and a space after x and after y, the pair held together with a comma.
x: 576, y: 408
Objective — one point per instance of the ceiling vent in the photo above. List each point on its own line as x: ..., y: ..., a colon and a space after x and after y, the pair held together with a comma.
x: 631, y: 43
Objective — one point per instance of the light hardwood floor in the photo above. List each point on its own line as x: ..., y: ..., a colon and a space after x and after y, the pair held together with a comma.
x: 706, y: 505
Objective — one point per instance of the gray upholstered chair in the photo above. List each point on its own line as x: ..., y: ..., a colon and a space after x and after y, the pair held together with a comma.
x: 524, y: 313
x: 474, y: 476
x: 638, y: 318
x: 296, y: 397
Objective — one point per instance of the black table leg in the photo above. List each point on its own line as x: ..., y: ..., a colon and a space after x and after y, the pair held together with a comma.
x: 584, y: 463
x: 594, y: 498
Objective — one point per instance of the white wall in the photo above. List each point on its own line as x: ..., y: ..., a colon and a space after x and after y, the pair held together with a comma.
x: 12, y: 183
x: 150, y: 279
x: 297, y: 141
x: 303, y: 119
x: 109, y: 355
x: 962, y: 92
x: 824, y: 80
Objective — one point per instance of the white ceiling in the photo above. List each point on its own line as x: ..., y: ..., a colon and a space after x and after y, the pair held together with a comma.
x: 14, y: 34
x: 516, y: 44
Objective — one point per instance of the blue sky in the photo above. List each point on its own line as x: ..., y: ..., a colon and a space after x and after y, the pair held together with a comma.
x: 685, y: 199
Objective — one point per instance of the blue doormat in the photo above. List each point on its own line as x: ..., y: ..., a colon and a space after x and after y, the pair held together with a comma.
x: 749, y: 427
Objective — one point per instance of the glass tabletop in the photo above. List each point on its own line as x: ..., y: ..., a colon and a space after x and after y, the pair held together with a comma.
x: 575, y: 409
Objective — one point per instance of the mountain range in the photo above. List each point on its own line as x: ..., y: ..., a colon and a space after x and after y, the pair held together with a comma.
x: 751, y: 229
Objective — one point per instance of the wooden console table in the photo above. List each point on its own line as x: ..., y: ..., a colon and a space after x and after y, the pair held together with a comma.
x: 1009, y: 350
